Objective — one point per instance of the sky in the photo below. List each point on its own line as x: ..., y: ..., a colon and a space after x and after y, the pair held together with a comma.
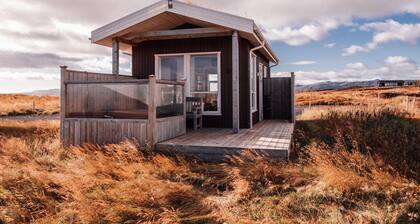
x: 320, y: 40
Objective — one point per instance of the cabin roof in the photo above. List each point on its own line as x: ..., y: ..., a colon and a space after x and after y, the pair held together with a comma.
x: 160, y: 16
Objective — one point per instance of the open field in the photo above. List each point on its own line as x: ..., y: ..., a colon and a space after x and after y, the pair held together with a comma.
x: 398, y: 98
x: 346, y: 168
x: 13, y: 104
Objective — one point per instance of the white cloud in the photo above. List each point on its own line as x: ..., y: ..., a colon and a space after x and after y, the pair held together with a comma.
x: 353, y: 49
x: 356, y: 66
x: 330, y: 45
x: 303, y: 62
x: 385, y: 32
x: 394, y: 67
x: 300, y: 22
x: 302, y: 35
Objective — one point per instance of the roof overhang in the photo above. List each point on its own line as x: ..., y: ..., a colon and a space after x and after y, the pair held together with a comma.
x: 161, y: 17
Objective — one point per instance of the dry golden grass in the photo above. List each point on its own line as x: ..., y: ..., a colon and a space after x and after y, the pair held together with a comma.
x: 328, y: 179
x: 360, y: 96
x: 13, y: 104
x: 372, y: 98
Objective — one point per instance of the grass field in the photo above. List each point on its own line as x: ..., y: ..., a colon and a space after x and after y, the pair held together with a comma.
x: 12, y: 104
x: 347, y: 166
x: 396, y: 96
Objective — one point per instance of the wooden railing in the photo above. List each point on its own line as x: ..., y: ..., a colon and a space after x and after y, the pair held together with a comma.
x: 77, y: 128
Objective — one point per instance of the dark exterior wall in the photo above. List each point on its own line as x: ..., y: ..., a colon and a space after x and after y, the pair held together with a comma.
x: 244, y: 48
x: 244, y: 72
x: 278, y: 98
x: 144, y: 65
x: 244, y: 82
x: 265, y: 62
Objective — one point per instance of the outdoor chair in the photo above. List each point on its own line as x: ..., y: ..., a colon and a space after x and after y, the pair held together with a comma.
x: 195, y: 111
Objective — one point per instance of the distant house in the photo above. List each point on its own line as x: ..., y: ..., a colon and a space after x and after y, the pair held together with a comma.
x: 391, y: 82
x: 181, y: 53
x: 397, y: 82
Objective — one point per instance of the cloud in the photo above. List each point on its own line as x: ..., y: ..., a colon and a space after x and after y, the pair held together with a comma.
x: 394, y: 67
x: 356, y: 66
x: 301, y: 22
x: 302, y: 35
x: 33, y: 60
x: 401, y: 64
x: 385, y: 32
x: 21, y: 74
x: 303, y: 62
x: 330, y: 45
x: 353, y: 49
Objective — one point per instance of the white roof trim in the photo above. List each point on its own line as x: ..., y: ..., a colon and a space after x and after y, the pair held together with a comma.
x: 208, y: 15
x: 223, y: 19
x: 128, y: 21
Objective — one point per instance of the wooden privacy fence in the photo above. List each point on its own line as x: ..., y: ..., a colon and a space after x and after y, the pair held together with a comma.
x: 102, y: 109
x: 279, y: 98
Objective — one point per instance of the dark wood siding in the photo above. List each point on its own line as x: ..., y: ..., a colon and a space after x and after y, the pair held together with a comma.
x: 244, y: 72
x: 265, y: 62
x: 244, y: 48
x: 144, y: 65
x: 278, y: 98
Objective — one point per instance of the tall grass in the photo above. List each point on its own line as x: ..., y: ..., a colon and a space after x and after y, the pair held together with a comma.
x: 337, y: 175
x: 13, y: 104
x: 403, y: 98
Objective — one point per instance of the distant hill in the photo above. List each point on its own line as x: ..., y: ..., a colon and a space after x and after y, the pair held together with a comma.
x: 49, y: 92
x: 336, y: 85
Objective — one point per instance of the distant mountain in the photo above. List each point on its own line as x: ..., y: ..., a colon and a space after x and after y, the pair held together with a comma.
x: 336, y: 85
x: 49, y: 92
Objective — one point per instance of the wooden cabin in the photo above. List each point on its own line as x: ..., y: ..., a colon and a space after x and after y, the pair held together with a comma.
x: 181, y: 51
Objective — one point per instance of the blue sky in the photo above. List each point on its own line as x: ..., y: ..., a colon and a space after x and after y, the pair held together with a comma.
x: 320, y: 40
x: 327, y: 54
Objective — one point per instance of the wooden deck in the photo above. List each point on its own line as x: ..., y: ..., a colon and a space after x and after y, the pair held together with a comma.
x: 270, y: 138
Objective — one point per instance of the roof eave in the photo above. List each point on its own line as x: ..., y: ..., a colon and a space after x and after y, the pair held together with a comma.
x: 128, y: 21
x: 267, y: 46
x: 230, y: 21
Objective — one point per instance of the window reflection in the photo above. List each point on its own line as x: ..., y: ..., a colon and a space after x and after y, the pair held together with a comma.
x: 172, y: 67
x: 205, y: 80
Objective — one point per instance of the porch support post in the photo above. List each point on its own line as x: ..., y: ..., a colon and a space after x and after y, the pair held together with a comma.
x: 151, y: 112
x: 63, y: 70
x: 115, y: 57
x: 292, y: 88
x: 235, y: 81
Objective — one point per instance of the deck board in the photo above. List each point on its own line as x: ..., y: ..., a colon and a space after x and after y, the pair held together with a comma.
x: 269, y: 137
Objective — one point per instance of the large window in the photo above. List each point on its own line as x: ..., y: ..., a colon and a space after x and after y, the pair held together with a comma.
x: 202, y: 71
x: 204, y: 78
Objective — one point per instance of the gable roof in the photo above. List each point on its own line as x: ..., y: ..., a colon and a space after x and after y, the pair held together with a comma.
x: 160, y: 16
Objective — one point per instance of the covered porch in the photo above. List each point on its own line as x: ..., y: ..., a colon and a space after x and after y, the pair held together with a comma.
x: 270, y: 138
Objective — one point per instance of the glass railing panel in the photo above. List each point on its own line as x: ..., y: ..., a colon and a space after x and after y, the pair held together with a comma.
x: 169, y: 100
x: 107, y: 100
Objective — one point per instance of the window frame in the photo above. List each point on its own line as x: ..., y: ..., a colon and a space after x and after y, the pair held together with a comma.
x: 158, y: 63
x: 187, y: 75
x: 253, y: 83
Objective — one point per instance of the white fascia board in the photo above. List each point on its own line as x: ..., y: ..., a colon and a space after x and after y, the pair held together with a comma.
x: 267, y: 46
x: 212, y: 16
x: 128, y: 21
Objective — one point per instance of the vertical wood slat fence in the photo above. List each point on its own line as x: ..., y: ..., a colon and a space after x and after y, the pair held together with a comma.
x: 279, y: 98
x: 78, y: 131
